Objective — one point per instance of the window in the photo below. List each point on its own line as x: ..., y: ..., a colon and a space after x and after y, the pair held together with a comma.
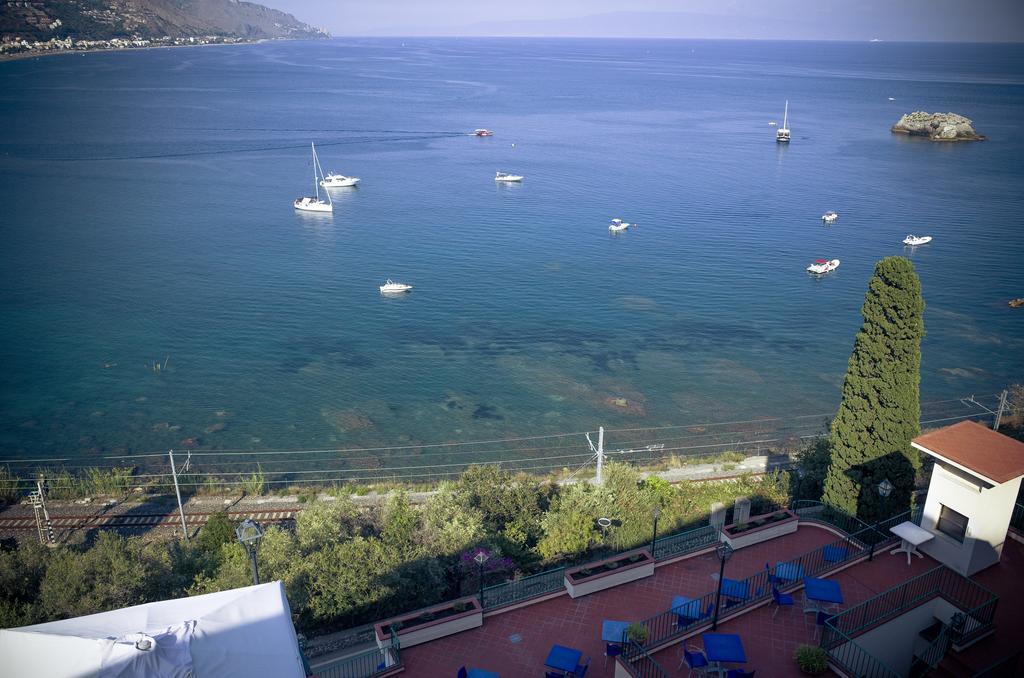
x: 952, y: 524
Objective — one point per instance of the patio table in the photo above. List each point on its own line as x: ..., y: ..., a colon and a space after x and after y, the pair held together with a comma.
x: 480, y: 673
x: 789, y: 571
x: 724, y: 647
x: 734, y: 589
x: 613, y: 631
x: 563, y: 658
x: 912, y: 536
x: 823, y: 591
x: 687, y: 608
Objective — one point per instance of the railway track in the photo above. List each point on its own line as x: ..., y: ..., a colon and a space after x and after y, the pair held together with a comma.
x: 129, y: 520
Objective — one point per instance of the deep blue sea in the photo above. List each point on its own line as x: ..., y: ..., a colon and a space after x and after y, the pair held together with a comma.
x: 147, y: 218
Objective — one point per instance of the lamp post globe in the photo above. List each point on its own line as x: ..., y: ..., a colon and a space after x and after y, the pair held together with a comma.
x: 481, y: 557
x: 249, y: 534
x: 655, y: 514
x: 724, y: 552
x: 885, y: 488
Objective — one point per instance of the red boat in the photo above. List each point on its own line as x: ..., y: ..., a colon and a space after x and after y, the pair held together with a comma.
x: 483, y: 133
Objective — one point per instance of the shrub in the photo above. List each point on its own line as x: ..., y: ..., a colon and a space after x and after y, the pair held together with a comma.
x: 637, y: 632
x: 811, y: 659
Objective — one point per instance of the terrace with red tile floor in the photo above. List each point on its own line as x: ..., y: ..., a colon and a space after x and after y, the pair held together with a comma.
x: 516, y: 643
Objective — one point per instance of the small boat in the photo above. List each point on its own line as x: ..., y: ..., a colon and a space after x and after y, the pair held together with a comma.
x: 333, y: 180
x: 392, y: 287
x: 314, y: 203
x: 483, y: 133
x: 1016, y: 303
x: 502, y: 176
x: 822, y: 266
x: 773, y: 124
x: 913, y: 240
x: 618, y: 226
x: 829, y: 217
x: 892, y: 98
x: 782, y: 134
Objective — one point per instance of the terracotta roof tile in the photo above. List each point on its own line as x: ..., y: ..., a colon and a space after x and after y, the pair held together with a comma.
x: 977, y: 448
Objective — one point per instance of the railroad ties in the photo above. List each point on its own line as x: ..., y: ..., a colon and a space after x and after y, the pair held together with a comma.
x: 141, y: 520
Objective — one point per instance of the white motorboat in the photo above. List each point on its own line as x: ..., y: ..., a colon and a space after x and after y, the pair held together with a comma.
x: 503, y: 176
x: 773, y: 124
x: 782, y: 133
x: 483, y: 133
x: 333, y: 180
x: 392, y: 287
x: 314, y: 203
x: 618, y: 226
x: 822, y: 266
x: 829, y: 217
x: 917, y: 240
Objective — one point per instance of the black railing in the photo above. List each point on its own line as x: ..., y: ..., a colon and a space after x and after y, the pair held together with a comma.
x: 671, y: 625
x: 644, y: 665
x: 364, y: 664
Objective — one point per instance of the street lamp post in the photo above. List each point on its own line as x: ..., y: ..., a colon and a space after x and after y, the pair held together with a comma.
x: 249, y: 534
x: 481, y: 558
x: 655, y: 513
x: 604, y: 524
x: 724, y: 552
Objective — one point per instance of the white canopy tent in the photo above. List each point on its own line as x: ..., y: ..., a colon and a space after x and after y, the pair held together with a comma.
x: 242, y: 632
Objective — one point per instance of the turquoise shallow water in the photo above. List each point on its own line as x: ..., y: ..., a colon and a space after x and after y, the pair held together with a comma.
x: 147, y: 217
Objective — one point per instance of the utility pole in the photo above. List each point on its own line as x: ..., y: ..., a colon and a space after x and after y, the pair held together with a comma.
x: 177, y: 491
x: 43, y: 524
x: 600, y: 456
x: 999, y: 412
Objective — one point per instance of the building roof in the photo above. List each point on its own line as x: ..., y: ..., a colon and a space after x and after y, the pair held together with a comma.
x: 977, y: 449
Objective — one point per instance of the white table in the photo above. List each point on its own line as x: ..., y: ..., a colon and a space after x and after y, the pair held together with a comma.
x: 912, y: 536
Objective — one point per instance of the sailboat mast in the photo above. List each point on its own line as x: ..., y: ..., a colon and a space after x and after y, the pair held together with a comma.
x: 785, y: 116
x: 316, y: 186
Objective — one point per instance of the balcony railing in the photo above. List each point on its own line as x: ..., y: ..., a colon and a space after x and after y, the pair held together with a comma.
x: 364, y: 664
x: 669, y: 625
x: 853, y: 659
x: 975, y: 600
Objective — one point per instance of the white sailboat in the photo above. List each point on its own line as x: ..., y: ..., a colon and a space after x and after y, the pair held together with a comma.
x: 782, y: 134
x: 311, y: 203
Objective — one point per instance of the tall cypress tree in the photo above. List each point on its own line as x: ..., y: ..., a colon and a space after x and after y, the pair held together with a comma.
x: 881, y: 409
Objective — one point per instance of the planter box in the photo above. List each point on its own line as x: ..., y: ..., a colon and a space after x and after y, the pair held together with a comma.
x: 414, y: 630
x: 602, y: 578
x: 737, y: 538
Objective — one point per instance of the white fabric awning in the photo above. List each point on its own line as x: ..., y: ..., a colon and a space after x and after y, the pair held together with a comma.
x: 242, y: 632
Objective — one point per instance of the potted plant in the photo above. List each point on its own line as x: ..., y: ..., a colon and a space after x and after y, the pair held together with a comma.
x: 637, y: 632
x: 811, y: 659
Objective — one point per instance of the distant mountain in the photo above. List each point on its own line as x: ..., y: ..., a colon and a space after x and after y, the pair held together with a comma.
x: 106, y: 19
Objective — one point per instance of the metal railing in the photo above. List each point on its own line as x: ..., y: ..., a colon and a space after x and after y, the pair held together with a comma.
x: 684, y: 542
x: 364, y: 664
x: 965, y: 594
x: 938, y: 648
x: 644, y: 666
x: 550, y: 581
x: 853, y: 659
x: 528, y: 587
x: 670, y: 625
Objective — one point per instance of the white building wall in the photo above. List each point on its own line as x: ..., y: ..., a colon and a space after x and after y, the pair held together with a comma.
x: 988, y: 509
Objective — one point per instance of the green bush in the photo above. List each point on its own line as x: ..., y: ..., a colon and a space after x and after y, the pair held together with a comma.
x: 637, y: 632
x: 811, y: 659
x: 9, y: 490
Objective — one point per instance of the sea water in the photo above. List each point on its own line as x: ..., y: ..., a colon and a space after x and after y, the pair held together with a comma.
x: 158, y: 290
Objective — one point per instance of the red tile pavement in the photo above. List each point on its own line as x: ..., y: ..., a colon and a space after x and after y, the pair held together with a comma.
x: 516, y: 643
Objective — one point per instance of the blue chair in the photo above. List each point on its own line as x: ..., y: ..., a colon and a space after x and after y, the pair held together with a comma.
x: 708, y: 612
x: 695, y: 660
x: 780, y: 600
x: 553, y: 674
x: 819, y: 621
x: 581, y: 669
x: 462, y: 672
x: 611, y: 650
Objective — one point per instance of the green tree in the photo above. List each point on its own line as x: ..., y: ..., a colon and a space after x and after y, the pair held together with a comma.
x: 510, y: 506
x: 326, y: 522
x: 21, y: 574
x: 569, y: 525
x: 217, y: 531
x: 880, y: 412
x: 448, y: 527
x: 113, y: 573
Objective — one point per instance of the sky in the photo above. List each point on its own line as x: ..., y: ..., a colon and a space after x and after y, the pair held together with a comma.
x: 893, y: 20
